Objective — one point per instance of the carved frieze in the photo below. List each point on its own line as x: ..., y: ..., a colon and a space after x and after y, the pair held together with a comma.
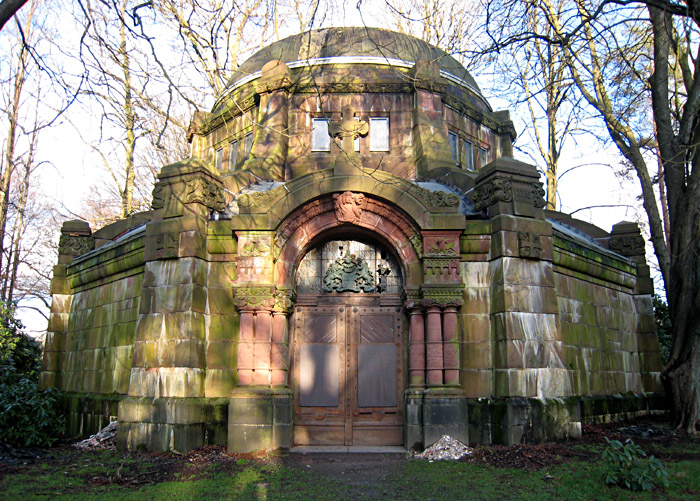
x: 348, y: 206
x: 529, y: 245
x: 205, y: 192
x: 439, y: 247
x: 254, y: 268
x: 496, y: 190
x: 436, y: 198
x: 255, y: 247
x: 629, y: 245
x: 348, y: 274
x: 254, y: 298
x: 75, y: 245
x: 445, y: 268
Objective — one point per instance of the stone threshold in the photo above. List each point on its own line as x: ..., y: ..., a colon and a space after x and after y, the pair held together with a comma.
x: 348, y: 449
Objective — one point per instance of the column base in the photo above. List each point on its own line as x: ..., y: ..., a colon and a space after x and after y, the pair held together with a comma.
x: 432, y: 413
x: 260, y: 419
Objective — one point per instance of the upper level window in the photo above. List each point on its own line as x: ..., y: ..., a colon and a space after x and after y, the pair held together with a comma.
x: 219, y: 158
x: 248, y: 141
x: 379, y: 134
x: 485, y: 156
x: 454, y: 147
x: 320, y: 140
x: 232, y: 155
x: 467, y: 155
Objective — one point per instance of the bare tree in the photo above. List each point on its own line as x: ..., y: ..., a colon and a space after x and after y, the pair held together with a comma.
x: 620, y: 57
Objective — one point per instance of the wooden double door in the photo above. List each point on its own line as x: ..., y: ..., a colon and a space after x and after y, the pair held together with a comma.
x: 348, y: 374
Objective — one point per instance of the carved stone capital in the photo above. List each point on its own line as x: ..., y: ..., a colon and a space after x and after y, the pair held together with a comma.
x: 626, y: 239
x: 442, y: 296
x: 254, y: 298
x: 508, y: 186
x: 75, y: 238
x: 203, y: 191
x: 284, y: 300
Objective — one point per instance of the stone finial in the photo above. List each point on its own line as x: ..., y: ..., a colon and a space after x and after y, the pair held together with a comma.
x: 191, y: 183
x: 508, y: 186
x: 348, y: 129
x: 76, y: 238
x: 626, y: 239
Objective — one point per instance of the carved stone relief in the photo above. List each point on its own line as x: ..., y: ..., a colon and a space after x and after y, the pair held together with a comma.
x: 348, y: 274
x: 628, y: 245
x: 348, y: 206
x: 254, y: 298
x: 497, y: 190
x: 206, y: 193
x: 75, y: 245
x: 529, y: 245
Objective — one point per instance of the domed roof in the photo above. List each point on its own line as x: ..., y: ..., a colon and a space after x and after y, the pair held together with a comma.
x: 355, y: 42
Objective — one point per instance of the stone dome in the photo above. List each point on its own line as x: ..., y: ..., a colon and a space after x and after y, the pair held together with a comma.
x: 373, y: 44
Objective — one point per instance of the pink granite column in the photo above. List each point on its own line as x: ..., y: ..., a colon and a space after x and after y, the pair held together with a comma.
x: 263, y: 336
x: 416, y: 348
x: 433, y: 346
x: 279, y: 349
x: 450, y: 346
x: 246, y: 348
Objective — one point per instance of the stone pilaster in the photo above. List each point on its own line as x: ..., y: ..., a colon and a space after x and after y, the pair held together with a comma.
x: 524, y: 309
x: 169, y: 361
x: 270, y: 144
x: 431, y: 144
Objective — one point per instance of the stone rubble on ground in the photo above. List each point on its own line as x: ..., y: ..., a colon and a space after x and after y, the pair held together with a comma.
x: 104, y: 439
x: 447, y: 448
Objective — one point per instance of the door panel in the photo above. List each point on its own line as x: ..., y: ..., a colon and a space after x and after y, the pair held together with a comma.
x: 347, y: 370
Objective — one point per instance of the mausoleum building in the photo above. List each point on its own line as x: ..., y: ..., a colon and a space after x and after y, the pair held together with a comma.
x: 351, y: 256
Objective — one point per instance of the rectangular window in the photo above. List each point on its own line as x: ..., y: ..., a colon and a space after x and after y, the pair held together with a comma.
x: 467, y: 155
x: 248, y: 141
x: 232, y: 155
x: 454, y: 147
x: 219, y: 158
x: 379, y: 134
x: 320, y: 140
x: 484, y: 153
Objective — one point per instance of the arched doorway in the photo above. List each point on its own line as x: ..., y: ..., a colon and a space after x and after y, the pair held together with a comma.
x: 347, y: 359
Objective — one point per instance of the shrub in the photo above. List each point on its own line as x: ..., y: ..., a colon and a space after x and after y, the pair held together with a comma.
x: 628, y: 466
x: 28, y: 416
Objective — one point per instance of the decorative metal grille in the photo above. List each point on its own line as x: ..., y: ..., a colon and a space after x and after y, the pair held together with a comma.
x: 309, y: 277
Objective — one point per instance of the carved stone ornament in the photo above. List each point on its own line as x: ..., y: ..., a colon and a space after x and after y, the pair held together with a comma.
x: 529, y: 245
x: 348, y: 206
x: 632, y: 245
x: 497, y: 190
x: 167, y: 245
x: 254, y: 298
x: 348, y: 274
x: 436, y: 198
x: 284, y: 300
x: 441, y: 247
x: 442, y: 297
x: 448, y: 268
x: 257, y: 248
x: 206, y: 193
x: 158, y: 197
x: 73, y: 245
x: 347, y: 126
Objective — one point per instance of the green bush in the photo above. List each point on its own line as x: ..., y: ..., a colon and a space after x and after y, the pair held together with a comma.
x: 29, y: 416
x: 628, y: 466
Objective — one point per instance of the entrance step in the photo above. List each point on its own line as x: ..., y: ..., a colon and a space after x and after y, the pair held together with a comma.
x: 348, y: 449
